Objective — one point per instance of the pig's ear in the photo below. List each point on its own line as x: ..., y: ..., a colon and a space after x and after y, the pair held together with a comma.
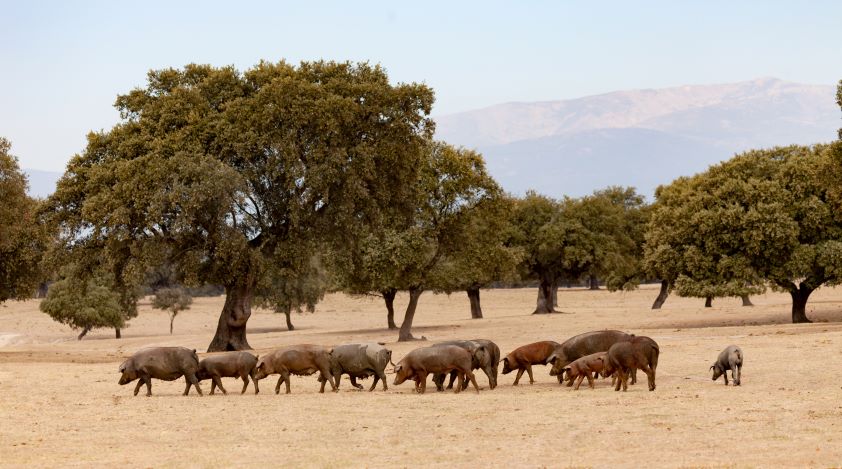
x: 552, y: 359
x: 398, y: 368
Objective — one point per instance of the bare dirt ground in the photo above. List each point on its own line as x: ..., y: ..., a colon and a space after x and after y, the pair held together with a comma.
x: 60, y: 404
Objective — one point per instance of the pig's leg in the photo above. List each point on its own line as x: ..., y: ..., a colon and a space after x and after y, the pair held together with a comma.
x: 213, y: 386
x: 354, y: 383
x: 438, y: 380
x: 634, y: 376
x: 278, y: 386
x: 256, y: 389
x: 374, y: 384
x: 473, y: 381
x: 218, y: 382
x: 286, y: 380
x: 140, y: 382
x: 323, y: 381
x: 245, y: 383
x: 422, y: 377
x: 458, y: 388
x: 725, y: 375
x: 382, y: 376
x: 619, y: 375
x: 148, y: 385
x: 579, y: 381
x: 519, y: 374
x: 590, y: 379
x: 735, y: 373
x: 192, y: 380
x: 650, y: 376
x: 529, y: 370
x: 452, y: 379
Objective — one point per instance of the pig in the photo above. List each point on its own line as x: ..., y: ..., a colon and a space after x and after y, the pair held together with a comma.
x: 492, y: 351
x: 479, y: 359
x: 359, y: 361
x: 583, y: 367
x: 228, y: 365
x: 522, y: 358
x: 166, y: 363
x: 729, y: 359
x: 581, y: 345
x: 302, y: 360
x: 417, y: 364
x: 624, y: 357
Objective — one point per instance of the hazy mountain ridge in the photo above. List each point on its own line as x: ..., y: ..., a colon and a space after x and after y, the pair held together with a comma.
x: 577, y: 144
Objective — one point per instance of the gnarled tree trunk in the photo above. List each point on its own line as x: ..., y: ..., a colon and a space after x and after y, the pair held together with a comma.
x: 82, y: 334
x: 389, y: 298
x: 708, y: 301
x: 117, y: 334
x: 406, y: 327
x: 799, y: 303
x: 473, y: 296
x: 545, y: 294
x: 662, y: 295
x: 231, y: 329
x: 746, y: 300
x: 593, y: 282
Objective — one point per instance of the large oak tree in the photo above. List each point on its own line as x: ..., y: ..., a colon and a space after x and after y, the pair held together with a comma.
x: 765, y: 216
x: 233, y: 172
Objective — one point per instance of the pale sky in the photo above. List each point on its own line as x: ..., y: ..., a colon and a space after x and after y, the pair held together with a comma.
x: 63, y: 63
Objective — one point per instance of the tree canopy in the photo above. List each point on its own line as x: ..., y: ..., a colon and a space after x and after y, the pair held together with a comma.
x: 763, y: 216
x: 231, y: 171
x: 173, y: 300
x: 84, y: 303
x: 22, y: 238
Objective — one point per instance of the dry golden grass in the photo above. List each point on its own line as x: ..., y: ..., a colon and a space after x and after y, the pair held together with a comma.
x: 60, y: 404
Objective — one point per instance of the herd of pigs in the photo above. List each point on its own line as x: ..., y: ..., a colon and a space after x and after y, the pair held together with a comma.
x: 590, y: 355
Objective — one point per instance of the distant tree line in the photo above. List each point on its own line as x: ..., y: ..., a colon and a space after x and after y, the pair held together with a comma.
x: 281, y: 183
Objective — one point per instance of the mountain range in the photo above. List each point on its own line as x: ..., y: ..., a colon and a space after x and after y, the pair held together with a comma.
x: 640, y: 138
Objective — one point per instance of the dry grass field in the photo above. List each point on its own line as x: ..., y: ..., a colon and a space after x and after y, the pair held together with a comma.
x: 60, y: 404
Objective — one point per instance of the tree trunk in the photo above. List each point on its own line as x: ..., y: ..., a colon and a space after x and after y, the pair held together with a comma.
x: 593, y: 282
x: 662, y: 295
x: 555, y: 293
x: 746, y: 300
x: 172, y: 318
x: 545, y: 295
x: 231, y: 329
x: 406, y: 327
x: 117, y: 333
x: 288, y: 314
x: 389, y: 298
x: 799, y: 304
x: 82, y: 334
x: 476, y: 310
x: 708, y: 301
x: 43, y: 288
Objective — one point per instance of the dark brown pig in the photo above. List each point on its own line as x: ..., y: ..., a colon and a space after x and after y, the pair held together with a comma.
x: 478, y: 359
x: 625, y: 357
x: 584, y: 368
x: 359, y: 361
x: 302, y: 360
x: 582, y: 345
x: 166, y: 363
x: 419, y: 363
x: 228, y: 365
x: 522, y: 358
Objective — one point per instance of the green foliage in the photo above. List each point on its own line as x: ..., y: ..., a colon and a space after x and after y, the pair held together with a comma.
x: 85, y: 305
x: 173, y: 300
x: 295, y: 287
x: 458, y: 205
x: 763, y: 216
x: 22, y: 237
x: 232, y: 172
